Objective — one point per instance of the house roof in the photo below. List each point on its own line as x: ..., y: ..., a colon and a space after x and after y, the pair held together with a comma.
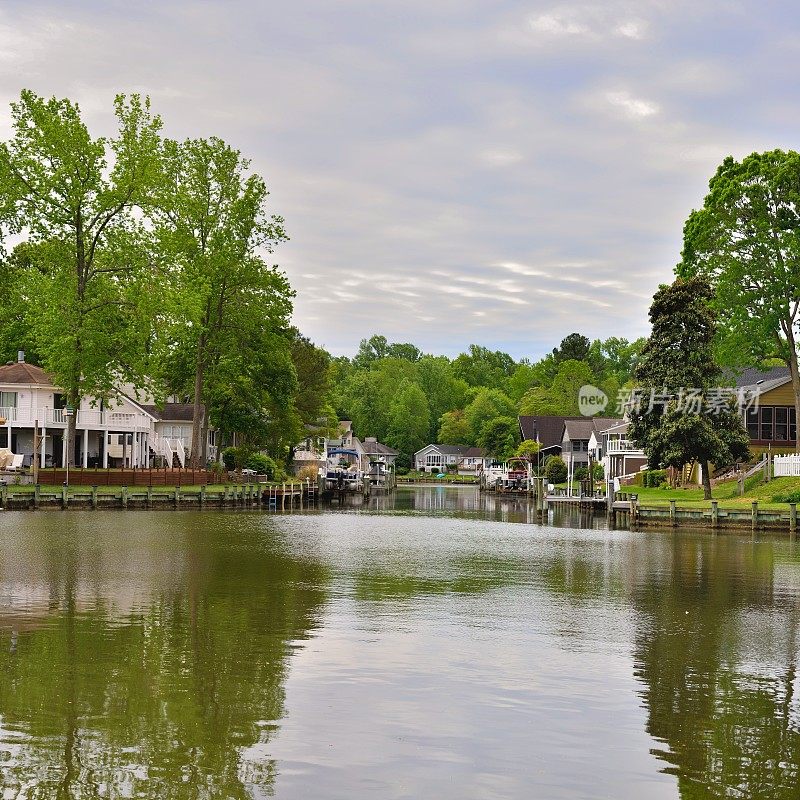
x: 456, y: 450
x: 170, y: 412
x: 547, y: 430
x: 378, y: 449
x: 21, y: 372
x: 751, y: 376
x: 584, y: 427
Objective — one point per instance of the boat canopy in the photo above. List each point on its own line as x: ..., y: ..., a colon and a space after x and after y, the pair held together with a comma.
x: 338, y: 451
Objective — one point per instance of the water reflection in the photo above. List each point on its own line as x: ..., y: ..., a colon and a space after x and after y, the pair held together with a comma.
x: 420, y: 649
x: 469, y: 502
x: 144, y: 664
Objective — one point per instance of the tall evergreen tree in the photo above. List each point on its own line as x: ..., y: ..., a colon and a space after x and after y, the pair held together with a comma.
x: 671, y: 428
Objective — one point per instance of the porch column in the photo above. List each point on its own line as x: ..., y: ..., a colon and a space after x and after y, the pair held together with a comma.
x: 147, y: 450
x: 85, y: 460
x: 44, y: 447
x: 105, y: 449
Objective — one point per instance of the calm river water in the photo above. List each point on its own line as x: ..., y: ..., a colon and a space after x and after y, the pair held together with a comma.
x: 433, y: 645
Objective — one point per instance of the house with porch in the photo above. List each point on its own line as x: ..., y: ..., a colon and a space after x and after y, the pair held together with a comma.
x: 576, y: 436
x: 611, y: 447
x: 771, y: 422
x: 119, y: 432
x: 440, y: 457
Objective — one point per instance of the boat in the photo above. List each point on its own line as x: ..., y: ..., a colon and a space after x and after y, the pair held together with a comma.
x: 342, y: 471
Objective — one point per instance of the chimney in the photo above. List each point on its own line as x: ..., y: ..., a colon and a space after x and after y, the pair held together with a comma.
x: 20, y: 356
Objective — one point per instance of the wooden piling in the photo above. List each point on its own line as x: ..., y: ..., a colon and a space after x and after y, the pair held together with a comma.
x: 672, y: 516
x: 177, y: 496
x: 792, y: 518
x: 202, y: 494
x: 149, y: 499
x: 714, y: 513
x: 94, y: 497
x: 64, y: 496
x: 755, y: 514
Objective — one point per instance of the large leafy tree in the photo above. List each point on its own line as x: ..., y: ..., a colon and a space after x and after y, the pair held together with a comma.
x: 454, y: 429
x: 212, y: 228
x: 500, y: 437
x: 483, y: 367
x: 678, y: 356
x: 487, y: 405
x: 746, y: 241
x: 408, y: 421
x: 73, y: 197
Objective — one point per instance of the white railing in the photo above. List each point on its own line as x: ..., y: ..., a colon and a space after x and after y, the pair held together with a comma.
x: 180, y: 451
x: 9, y: 413
x: 786, y: 466
x: 621, y: 446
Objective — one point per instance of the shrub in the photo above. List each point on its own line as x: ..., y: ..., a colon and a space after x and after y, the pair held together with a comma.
x: 402, y: 471
x: 260, y: 463
x: 307, y: 472
x: 598, y: 473
x: 791, y: 497
x: 653, y: 478
x: 555, y: 470
x: 229, y: 456
x: 582, y: 473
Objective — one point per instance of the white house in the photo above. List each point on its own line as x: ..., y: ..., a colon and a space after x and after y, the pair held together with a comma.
x: 115, y: 433
x: 618, y: 455
x: 438, y: 457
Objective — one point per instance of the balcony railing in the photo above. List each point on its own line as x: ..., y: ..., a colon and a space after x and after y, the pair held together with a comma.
x: 96, y: 419
x: 621, y: 446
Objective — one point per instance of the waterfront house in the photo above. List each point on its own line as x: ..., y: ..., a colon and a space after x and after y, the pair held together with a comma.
x: 118, y: 432
x: 313, y: 451
x: 440, y: 457
x: 576, y: 435
x: 611, y: 447
x: 772, y: 423
x: 547, y: 430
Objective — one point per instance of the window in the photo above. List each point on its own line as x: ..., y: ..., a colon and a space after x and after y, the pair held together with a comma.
x: 766, y: 423
x: 8, y: 399
x: 576, y: 445
x: 782, y: 424
x: 751, y: 421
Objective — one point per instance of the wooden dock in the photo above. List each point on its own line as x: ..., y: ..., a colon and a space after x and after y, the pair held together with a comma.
x: 243, y: 495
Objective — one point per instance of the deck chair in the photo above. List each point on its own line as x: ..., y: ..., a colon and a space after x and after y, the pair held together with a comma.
x: 16, y: 463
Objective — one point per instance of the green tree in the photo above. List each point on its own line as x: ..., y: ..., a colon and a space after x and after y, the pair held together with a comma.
x: 574, y: 347
x: 561, y: 397
x: 454, y: 429
x: 442, y: 389
x: 371, y: 350
x: 484, y: 367
x: 679, y: 356
x: 408, y: 426
x: 89, y: 278
x: 746, y: 241
x: 528, y: 449
x: 211, y: 226
x: 487, y: 405
x: 500, y: 437
x: 555, y: 470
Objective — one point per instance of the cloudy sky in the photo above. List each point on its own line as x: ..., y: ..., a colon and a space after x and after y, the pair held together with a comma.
x: 450, y: 171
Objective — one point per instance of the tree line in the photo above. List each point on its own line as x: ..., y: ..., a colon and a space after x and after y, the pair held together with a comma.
x: 408, y: 399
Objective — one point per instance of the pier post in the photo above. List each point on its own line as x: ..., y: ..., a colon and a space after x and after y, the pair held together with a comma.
x: 149, y: 499
x: 36, y: 498
x: 124, y: 496
x: 94, y: 497
x: 755, y: 514
x: 792, y: 518
x: 4, y: 495
x: 673, y: 519
x: 283, y: 497
x: 64, y: 496
x: 202, y: 496
x: 714, y: 513
x: 177, y: 496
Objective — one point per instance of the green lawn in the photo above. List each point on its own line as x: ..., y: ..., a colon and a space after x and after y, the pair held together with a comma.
x: 726, y: 493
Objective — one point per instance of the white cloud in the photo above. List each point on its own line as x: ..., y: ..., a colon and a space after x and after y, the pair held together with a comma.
x: 633, y: 107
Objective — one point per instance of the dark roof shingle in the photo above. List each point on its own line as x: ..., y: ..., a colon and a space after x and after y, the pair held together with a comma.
x: 23, y: 373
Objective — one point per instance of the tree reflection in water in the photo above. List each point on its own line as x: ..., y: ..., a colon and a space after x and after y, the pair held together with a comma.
x: 155, y: 685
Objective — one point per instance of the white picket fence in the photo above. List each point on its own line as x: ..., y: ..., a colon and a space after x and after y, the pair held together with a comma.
x: 786, y: 466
